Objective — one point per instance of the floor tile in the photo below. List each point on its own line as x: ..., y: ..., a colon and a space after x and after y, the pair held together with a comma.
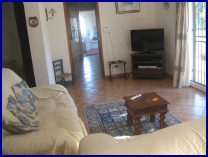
x: 196, y: 102
x: 174, y: 108
x: 90, y: 88
x: 198, y: 95
x: 194, y: 111
x: 178, y: 101
x: 185, y: 118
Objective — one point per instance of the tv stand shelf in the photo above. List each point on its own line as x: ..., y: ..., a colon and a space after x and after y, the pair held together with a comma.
x: 148, y: 65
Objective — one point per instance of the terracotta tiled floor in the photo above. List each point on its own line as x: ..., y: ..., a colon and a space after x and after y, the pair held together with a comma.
x: 90, y: 88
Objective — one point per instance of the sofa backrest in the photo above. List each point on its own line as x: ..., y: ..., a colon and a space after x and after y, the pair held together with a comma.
x: 9, y: 78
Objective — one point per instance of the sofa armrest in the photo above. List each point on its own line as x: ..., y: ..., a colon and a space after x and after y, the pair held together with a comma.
x: 56, y: 141
x: 94, y: 143
x: 184, y: 138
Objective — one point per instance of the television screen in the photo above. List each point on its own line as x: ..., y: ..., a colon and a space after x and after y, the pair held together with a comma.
x: 147, y: 39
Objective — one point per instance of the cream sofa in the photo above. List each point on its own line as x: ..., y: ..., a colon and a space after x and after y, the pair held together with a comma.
x: 184, y: 138
x: 60, y: 127
x: 63, y: 132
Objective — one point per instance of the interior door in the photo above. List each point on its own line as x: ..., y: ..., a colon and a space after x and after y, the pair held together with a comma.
x: 66, y: 13
x: 74, y: 29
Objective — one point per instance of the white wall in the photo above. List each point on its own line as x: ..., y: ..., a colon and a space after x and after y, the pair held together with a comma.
x: 39, y: 44
x: 89, y: 17
x: 11, y: 49
x: 58, y: 35
x: 151, y: 15
x: 120, y: 25
x: 167, y: 19
x: 48, y: 41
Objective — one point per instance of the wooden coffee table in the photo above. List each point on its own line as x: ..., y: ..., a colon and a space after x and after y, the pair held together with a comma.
x: 147, y: 104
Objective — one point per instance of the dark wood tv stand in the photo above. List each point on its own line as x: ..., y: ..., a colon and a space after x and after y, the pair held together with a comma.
x: 148, y: 65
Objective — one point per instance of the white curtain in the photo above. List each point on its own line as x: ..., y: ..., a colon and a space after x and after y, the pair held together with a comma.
x: 181, y: 69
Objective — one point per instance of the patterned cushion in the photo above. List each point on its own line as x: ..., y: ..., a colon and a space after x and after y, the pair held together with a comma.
x: 16, y: 127
x: 25, y: 95
x: 22, y: 113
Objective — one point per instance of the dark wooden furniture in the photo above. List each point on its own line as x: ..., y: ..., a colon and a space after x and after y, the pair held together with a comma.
x: 59, y: 72
x: 115, y: 63
x: 146, y: 60
x: 147, y: 104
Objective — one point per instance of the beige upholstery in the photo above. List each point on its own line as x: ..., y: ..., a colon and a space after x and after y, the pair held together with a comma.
x: 61, y: 128
x: 9, y: 78
x: 185, y: 138
x: 63, y: 132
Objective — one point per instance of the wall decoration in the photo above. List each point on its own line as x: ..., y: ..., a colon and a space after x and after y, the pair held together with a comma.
x: 52, y: 12
x: 166, y: 5
x: 127, y: 7
x: 33, y: 21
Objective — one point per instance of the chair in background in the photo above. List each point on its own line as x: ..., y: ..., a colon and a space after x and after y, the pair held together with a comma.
x: 59, y: 72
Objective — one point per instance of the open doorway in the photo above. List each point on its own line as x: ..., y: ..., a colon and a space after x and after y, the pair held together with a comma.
x: 88, y: 29
x: 87, y: 61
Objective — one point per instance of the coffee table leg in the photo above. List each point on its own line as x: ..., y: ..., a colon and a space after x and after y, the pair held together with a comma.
x: 152, y: 118
x: 129, y: 119
x: 137, y: 127
x: 162, y: 118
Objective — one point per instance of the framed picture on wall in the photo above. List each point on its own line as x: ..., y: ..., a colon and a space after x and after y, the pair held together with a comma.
x: 127, y: 7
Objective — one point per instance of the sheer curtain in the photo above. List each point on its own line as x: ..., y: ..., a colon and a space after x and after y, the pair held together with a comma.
x: 181, y: 70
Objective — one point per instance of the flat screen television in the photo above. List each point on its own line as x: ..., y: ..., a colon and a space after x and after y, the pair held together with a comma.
x: 147, y: 40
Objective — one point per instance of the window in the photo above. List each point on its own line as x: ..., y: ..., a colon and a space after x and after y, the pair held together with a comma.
x: 199, y: 37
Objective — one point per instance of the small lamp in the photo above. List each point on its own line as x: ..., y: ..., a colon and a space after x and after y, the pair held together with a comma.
x: 52, y: 11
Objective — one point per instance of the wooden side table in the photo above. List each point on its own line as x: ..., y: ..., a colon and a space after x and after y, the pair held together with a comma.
x: 114, y: 63
x: 147, y: 104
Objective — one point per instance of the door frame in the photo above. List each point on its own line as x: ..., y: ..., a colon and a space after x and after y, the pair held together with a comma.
x: 97, y: 14
x: 80, y: 35
x: 68, y: 34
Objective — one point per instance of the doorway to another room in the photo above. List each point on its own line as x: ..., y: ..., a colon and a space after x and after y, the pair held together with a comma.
x: 88, y: 29
x: 84, y: 43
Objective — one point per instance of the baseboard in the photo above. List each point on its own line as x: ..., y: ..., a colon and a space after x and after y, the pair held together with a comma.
x: 193, y: 84
x: 198, y: 86
x: 130, y: 75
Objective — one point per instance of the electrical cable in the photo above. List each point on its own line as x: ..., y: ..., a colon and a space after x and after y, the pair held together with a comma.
x: 112, y: 46
x: 107, y: 53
